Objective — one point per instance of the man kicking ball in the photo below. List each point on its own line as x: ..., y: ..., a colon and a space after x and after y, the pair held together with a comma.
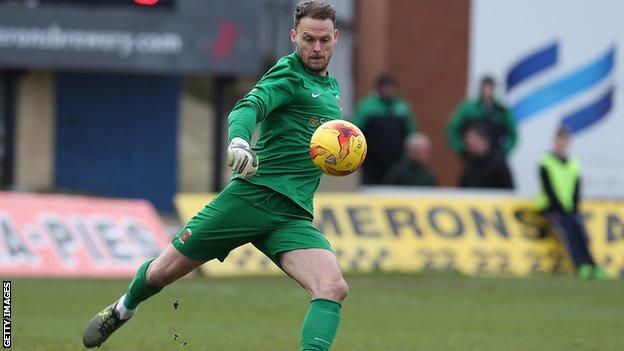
x: 269, y: 201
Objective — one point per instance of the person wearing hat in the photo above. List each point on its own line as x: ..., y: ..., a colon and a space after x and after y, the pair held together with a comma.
x: 385, y: 119
x: 558, y: 201
x: 491, y: 114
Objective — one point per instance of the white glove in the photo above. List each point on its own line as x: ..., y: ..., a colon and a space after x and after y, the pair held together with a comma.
x: 241, y: 158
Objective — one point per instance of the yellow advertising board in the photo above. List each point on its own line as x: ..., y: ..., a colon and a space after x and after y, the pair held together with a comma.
x: 409, y: 233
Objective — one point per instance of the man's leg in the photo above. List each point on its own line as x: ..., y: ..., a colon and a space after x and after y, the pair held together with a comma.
x: 581, y: 237
x: 216, y: 230
x: 154, y: 275
x: 577, y: 244
x: 317, y: 271
x: 150, y: 278
x: 567, y: 230
x: 597, y: 272
x: 562, y: 226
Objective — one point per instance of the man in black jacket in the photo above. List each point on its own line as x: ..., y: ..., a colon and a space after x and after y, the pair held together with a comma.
x: 483, y: 167
x: 386, y: 119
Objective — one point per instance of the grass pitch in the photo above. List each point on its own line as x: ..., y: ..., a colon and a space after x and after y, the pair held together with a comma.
x: 382, y: 312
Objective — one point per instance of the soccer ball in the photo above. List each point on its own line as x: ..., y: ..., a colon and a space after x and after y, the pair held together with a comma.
x: 338, y: 147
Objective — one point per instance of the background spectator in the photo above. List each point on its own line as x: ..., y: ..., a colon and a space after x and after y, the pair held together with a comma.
x: 386, y: 119
x: 413, y: 168
x: 483, y: 167
x: 560, y: 177
x: 485, y: 110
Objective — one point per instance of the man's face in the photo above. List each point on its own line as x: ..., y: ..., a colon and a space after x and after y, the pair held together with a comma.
x: 420, y: 151
x: 387, y: 91
x: 487, y: 91
x: 315, y: 40
x: 562, y: 143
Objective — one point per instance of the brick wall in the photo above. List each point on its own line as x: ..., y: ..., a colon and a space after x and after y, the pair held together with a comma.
x: 372, y: 47
x: 424, y: 44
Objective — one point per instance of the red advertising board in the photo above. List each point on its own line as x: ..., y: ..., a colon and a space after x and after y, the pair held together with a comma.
x: 76, y: 236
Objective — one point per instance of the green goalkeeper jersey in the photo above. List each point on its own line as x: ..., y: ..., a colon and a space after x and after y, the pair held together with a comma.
x: 289, y: 103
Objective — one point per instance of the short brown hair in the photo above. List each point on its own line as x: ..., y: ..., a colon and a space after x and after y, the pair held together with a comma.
x: 563, y: 132
x: 315, y: 9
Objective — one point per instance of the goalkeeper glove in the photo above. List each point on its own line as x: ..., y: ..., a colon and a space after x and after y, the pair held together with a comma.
x: 241, y: 158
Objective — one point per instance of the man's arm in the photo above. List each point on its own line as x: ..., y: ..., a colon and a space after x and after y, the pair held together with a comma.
x: 274, y: 90
x: 412, y: 126
x: 512, y: 131
x: 454, y: 129
x: 577, y: 195
x: 506, y: 177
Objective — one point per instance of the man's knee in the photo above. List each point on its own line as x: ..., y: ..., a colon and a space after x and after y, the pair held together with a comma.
x: 336, y: 290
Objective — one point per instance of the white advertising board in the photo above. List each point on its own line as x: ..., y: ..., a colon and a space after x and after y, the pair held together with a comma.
x: 557, y: 62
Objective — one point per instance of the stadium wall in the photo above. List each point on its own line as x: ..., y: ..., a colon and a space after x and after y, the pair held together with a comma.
x: 35, y: 132
x: 556, y: 72
x: 67, y: 130
x: 424, y: 44
x: 112, y: 139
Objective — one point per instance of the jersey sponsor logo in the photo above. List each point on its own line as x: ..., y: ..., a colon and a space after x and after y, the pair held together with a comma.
x: 186, y: 235
x: 317, y: 121
x: 315, y: 95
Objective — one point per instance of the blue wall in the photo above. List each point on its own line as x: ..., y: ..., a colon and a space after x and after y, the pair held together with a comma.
x: 116, y: 135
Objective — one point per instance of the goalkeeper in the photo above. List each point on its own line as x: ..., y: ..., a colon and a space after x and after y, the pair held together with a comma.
x: 267, y: 203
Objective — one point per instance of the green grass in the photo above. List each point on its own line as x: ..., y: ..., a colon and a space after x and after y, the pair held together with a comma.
x: 383, y: 312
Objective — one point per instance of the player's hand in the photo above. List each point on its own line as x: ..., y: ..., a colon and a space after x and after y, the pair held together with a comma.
x: 241, y: 159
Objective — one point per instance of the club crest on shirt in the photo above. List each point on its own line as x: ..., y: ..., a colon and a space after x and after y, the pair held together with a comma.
x: 186, y: 235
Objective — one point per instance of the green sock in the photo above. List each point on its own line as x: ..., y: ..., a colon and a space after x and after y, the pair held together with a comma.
x: 320, y: 325
x: 139, y: 290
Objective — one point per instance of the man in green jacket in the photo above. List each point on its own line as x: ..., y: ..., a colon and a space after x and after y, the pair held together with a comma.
x: 386, y: 119
x: 489, y: 112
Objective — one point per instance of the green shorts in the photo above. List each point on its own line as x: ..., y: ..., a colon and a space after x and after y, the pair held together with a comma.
x: 244, y: 212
